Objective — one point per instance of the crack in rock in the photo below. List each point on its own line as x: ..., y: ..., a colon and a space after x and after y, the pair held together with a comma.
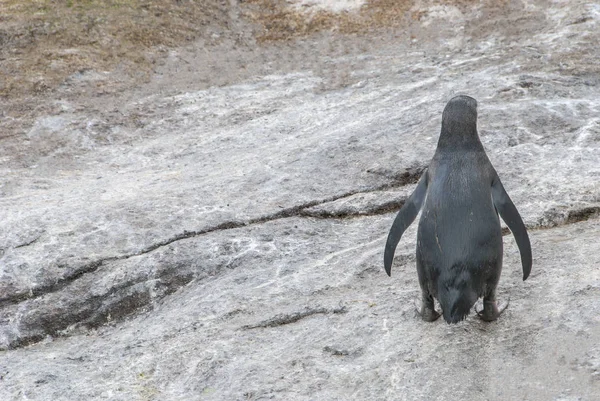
x: 33, y: 241
x: 397, y: 179
x: 556, y: 217
x: 374, y: 210
x: 409, y: 175
x: 287, y: 318
x: 587, y: 213
x: 336, y: 352
x: 56, y: 286
x: 119, y: 302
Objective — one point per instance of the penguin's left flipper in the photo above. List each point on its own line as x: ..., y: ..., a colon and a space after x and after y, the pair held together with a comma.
x: 491, y: 310
x: 513, y: 220
x: 405, y: 217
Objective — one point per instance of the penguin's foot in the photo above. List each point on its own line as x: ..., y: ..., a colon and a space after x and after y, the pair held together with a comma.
x: 427, y: 312
x: 491, y: 311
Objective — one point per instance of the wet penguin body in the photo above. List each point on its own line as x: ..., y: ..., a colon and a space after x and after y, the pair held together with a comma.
x: 459, y: 239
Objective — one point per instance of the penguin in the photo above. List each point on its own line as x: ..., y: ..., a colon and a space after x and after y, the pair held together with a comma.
x: 459, y: 238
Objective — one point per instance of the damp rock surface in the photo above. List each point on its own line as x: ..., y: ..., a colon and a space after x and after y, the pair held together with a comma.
x: 224, y: 241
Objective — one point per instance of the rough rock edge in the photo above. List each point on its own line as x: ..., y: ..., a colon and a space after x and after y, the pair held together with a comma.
x: 288, y: 318
x: 408, y: 176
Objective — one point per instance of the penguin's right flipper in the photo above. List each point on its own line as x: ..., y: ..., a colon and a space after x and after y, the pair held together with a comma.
x: 512, y: 218
x: 405, y: 217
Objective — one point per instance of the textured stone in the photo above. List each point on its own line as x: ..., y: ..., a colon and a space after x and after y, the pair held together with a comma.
x: 228, y: 245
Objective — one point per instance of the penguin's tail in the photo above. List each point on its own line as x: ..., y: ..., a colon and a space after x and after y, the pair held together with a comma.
x: 456, y: 302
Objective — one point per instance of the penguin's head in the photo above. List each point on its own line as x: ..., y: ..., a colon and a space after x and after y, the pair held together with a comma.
x: 459, y: 121
x: 460, y: 111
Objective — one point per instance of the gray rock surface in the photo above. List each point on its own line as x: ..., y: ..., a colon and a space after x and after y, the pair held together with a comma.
x: 227, y: 245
